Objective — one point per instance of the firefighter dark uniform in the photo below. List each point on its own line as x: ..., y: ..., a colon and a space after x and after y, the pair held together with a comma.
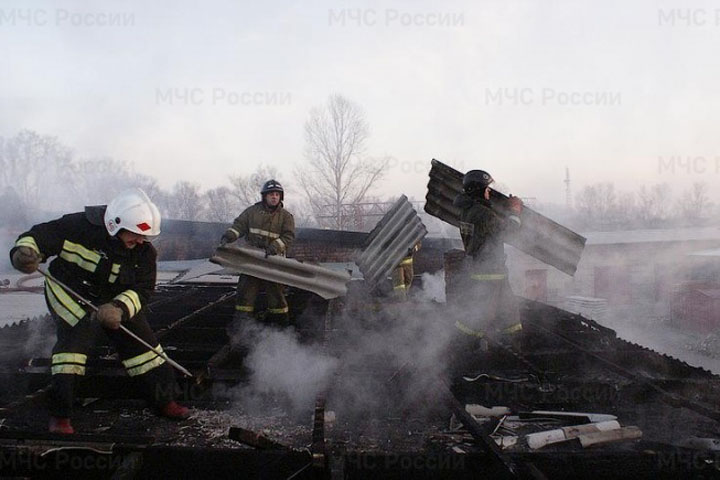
x: 272, y: 229
x: 402, y: 275
x: 486, y: 298
x: 99, y: 268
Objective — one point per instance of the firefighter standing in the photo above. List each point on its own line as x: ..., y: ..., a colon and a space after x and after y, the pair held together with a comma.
x: 402, y: 275
x: 102, y: 254
x: 269, y: 226
x: 486, y: 298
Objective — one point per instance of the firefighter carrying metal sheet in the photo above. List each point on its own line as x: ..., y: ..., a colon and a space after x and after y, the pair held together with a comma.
x: 402, y: 275
x: 486, y: 299
x: 103, y: 254
x: 269, y: 226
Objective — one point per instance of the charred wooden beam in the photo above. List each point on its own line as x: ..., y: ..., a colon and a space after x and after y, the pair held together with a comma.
x: 506, y: 466
x: 253, y: 439
x: 319, y: 454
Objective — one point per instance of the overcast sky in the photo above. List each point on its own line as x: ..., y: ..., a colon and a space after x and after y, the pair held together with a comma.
x: 610, y: 89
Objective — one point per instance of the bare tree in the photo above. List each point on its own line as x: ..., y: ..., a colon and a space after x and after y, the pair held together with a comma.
x: 301, y: 210
x: 148, y: 184
x: 337, y: 172
x: 37, y: 167
x: 653, y: 204
x: 246, y: 188
x: 695, y: 202
x: 625, y: 213
x: 96, y: 181
x: 221, y: 205
x: 185, y: 202
x: 597, y: 205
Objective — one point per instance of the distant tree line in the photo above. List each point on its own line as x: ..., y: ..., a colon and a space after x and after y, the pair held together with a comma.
x: 38, y: 173
x: 601, y: 207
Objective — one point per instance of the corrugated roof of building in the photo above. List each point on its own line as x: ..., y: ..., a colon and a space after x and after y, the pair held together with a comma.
x: 715, y: 252
x: 653, y: 236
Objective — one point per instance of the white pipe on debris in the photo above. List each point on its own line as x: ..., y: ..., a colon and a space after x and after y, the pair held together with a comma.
x: 541, y: 439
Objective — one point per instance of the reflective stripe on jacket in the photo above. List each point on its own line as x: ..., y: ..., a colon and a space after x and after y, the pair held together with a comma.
x: 262, y: 226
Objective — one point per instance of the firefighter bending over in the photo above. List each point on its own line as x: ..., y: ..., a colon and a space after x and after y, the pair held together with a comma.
x: 269, y: 226
x: 103, y: 254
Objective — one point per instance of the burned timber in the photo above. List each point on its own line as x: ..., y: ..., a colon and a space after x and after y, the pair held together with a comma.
x: 379, y: 415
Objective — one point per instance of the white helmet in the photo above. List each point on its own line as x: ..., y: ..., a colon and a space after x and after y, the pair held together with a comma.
x: 133, y: 211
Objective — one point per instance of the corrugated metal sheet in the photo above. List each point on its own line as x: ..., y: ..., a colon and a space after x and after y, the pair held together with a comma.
x: 287, y: 271
x: 388, y: 243
x: 539, y: 236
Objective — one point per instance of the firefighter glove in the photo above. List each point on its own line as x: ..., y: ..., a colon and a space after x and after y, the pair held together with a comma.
x: 271, y: 250
x: 515, y: 204
x: 227, y: 238
x: 109, y: 316
x: 25, y: 259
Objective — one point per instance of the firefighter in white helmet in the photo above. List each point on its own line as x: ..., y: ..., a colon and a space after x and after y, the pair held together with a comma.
x: 104, y: 255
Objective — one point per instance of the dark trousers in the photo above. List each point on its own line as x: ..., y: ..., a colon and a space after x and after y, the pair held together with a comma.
x: 154, y: 376
x: 277, y: 307
x: 487, y: 308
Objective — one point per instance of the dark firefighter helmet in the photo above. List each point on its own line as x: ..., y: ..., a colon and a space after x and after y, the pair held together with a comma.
x: 476, y: 181
x: 272, y: 186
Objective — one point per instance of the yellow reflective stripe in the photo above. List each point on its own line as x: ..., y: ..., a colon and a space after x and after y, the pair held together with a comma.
x: 63, y: 304
x: 142, y: 358
x: 145, y: 367
x: 61, y: 311
x: 78, y: 260
x: 407, y: 261
x: 69, y: 358
x: 69, y: 363
x: 87, y: 254
x: 399, y: 287
x: 114, y: 271
x: 234, y: 231
x: 513, y: 328
x: 79, y: 255
x: 144, y: 362
x: 278, y: 310
x: 265, y: 233
x: 68, y: 369
x: 244, y: 308
x: 131, y: 300
x: 488, y: 276
x: 469, y: 331
x: 28, y: 242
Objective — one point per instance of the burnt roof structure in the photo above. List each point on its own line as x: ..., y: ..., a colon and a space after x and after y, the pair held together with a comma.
x: 564, y: 363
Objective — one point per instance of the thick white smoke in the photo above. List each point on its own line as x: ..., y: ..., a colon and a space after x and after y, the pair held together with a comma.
x: 280, y: 367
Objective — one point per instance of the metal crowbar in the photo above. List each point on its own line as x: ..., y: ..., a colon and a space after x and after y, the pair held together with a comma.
x: 172, y: 362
